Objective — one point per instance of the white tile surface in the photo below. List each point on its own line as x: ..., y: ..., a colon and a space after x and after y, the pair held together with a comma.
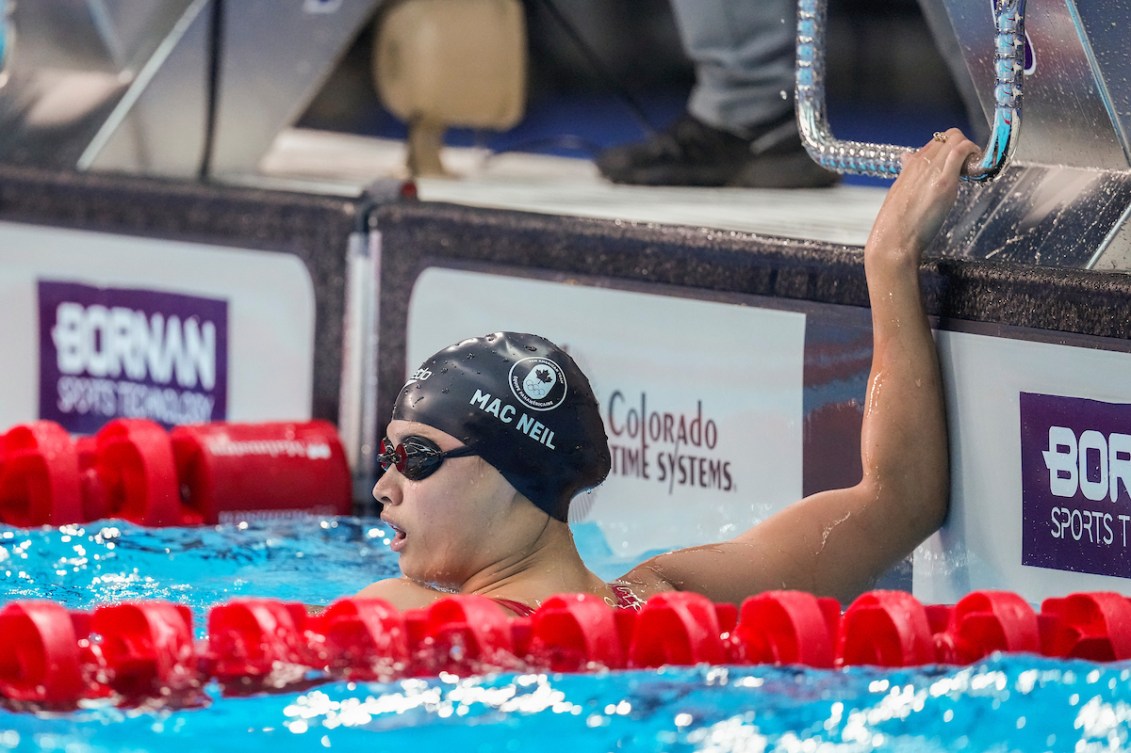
x: 572, y: 187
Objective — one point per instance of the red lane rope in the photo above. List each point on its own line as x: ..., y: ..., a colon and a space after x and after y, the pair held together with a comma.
x: 131, y: 652
x: 135, y: 470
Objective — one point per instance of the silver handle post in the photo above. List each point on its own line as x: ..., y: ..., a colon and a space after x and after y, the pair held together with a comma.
x: 883, y: 160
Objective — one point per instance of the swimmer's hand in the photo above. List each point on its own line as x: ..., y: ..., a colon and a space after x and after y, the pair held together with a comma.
x: 921, y: 196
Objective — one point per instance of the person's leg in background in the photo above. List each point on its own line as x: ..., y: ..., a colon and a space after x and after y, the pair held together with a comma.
x: 739, y: 129
x: 743, y: 53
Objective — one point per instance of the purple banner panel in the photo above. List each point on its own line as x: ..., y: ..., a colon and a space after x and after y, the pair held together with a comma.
x: 1076, y: 484
x: 106, y: 353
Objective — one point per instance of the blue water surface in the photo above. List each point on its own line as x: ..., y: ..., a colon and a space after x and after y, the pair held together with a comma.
x: 1007, y: 703
x: 309, y: 559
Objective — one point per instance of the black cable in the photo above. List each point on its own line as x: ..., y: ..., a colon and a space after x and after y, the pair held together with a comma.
x: 214, y: 54
x: 599, y: 67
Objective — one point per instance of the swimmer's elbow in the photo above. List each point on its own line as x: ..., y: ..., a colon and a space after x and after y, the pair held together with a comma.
x: 933, y: 509
x: 927, y: 509
x: 917, y: 505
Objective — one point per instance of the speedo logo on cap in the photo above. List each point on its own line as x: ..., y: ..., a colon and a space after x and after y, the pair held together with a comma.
x: 538, y: 383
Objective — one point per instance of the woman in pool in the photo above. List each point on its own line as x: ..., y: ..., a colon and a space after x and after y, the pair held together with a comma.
x: 491, y: 438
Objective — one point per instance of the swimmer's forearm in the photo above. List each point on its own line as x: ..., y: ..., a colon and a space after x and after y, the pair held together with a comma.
x: 903, y: 437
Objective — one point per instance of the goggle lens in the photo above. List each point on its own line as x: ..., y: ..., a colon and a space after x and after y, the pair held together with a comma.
x: 416, y: 458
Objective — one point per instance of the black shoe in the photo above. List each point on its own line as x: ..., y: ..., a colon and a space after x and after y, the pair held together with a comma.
x: 692, y: 153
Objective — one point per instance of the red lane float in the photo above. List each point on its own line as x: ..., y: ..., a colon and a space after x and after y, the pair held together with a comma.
x: 238, y: 469
x: 133, y: 469
x: 886, y: 629
x: 1094, y: 626
x: 144, y: 648
x: 255, y: 639
x: 677, y: 627
x: 574, y: 632
x: 987, y: 621
x: 461, y: 635
x: 364, y: 639
x: 788, y: 627
x: 95, y: 506
x: 134, y: 463
x: 39, y: 656
x: 54, y: 658
x: 39, y: 476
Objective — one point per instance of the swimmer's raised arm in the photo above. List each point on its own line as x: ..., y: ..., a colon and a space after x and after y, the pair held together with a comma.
x: 838, y: 542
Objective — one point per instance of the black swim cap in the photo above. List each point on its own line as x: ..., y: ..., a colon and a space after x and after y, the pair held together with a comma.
x: 525, y: 406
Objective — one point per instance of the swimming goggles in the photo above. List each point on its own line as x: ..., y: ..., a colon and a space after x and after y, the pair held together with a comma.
x: 417, y: 458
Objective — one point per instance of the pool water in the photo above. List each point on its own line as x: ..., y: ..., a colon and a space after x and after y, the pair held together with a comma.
x: 1007, y: 703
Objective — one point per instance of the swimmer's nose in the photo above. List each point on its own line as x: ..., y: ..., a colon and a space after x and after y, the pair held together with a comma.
x: 384, y: 490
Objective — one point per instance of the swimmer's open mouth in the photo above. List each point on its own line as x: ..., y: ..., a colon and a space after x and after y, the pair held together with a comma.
x: 398, y: 535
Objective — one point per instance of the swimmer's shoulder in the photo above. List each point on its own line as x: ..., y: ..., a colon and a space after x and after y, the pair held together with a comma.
x: 402, y: 593
x: 643, y: 581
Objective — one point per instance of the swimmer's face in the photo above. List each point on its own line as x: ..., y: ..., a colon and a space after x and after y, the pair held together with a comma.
x: 452, y: 524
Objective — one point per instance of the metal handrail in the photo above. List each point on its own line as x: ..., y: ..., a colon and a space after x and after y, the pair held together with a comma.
x: 884, y: 160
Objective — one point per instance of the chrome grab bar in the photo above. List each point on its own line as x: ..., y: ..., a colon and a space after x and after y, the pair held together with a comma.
x: 883, y: 160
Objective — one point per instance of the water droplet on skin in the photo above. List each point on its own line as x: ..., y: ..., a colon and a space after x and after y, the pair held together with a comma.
x: 829, y: 529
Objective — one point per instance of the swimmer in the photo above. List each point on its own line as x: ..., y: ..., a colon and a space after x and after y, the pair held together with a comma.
x: 492, y: 437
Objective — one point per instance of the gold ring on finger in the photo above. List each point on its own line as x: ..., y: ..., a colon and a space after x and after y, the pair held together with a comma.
x: 939, y: 137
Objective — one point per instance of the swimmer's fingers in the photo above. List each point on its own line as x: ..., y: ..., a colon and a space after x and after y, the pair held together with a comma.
x: 924, y: 192
x: 944, y: 158
x: 935, y: 151
x: 950, y: 151
x: 962, y: 152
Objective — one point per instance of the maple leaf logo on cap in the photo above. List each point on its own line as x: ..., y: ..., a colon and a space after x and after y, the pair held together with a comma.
x: 539, y: 382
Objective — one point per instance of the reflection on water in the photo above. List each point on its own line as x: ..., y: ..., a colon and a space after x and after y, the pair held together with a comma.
x: 1004, y: 704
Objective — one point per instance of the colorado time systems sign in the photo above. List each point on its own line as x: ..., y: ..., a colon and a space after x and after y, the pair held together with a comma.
x: 110, y: 352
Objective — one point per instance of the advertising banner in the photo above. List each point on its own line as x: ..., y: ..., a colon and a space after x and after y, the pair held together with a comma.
x: 100, y: 325
x: 107, y: 352
x: 1076, y: 484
